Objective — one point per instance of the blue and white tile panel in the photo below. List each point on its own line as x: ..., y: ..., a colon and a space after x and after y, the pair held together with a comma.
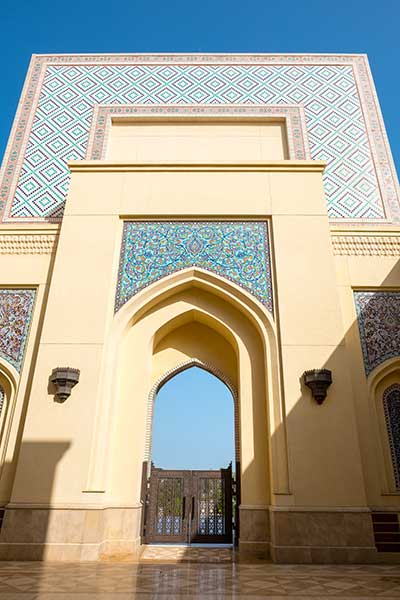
x: 378, y: 314
x: 342, y: 119
x: 235, y: 250
x: 16, y: 307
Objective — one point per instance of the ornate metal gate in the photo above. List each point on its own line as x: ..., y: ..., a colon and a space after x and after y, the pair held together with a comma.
x: 188, y: 506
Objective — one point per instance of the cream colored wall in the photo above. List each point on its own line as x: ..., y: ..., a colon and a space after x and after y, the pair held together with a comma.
x: 355, y: 272
x: 322, y: 441
x: 71, y: 336
x: 196, y: 141
x: 194, y: 340
x: 102, y: 424
x: 163, y: 190
x: 294, y: 452
x: 26, y: 261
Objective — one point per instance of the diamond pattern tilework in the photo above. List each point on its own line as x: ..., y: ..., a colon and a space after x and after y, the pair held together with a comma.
x: 238, y: 251
x: 379, y: 325
x: 334, y: 118
x: 15, y: 315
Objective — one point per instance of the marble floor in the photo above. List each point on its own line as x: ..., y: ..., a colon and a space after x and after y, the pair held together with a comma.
x: 182, y: 553
x: 184, y: 581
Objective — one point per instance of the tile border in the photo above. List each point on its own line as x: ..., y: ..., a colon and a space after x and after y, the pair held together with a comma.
x: 293, y: 116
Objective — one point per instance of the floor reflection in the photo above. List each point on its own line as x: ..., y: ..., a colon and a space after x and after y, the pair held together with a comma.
x: 183, y: 581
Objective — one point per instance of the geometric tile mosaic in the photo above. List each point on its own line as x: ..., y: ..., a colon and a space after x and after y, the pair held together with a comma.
x: 391, y: 406
x: 16, y: 306
x: 342, y: 120
x: 236, y: 250
x: 379, y: 325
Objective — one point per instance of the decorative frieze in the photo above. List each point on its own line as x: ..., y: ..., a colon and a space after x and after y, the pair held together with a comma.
x: 366, y: 245
x: 27, y: 244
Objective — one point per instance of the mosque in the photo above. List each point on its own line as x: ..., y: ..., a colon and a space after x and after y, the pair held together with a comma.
x: 236, y: 213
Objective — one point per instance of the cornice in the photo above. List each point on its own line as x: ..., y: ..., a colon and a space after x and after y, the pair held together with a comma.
x: 199, y: 57
x: 283, y: 165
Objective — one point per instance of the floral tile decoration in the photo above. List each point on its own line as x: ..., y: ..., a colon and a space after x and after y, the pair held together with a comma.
x: 16, y: 306
x: 236, y: 250
x: 379, y: 325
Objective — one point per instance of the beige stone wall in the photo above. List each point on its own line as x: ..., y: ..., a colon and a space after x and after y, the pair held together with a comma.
x: 376, y: 267
x: 194, y: 140
x: 297, y: 458
x: 27, y: 256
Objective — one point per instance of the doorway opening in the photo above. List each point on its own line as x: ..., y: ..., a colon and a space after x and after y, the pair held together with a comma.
x: 191, y: 485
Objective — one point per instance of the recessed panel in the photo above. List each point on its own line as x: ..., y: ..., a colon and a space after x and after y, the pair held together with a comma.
x: 201, y: 142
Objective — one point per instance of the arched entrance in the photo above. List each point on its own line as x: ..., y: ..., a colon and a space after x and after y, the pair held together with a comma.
x: 193, y: 421
x: 190, y: 491
x: 190, y: 316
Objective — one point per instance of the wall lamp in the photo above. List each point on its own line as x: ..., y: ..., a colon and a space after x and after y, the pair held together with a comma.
x: 318, y: 380
x: 64, y: 379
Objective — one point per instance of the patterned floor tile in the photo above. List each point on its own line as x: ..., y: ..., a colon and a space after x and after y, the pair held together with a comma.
x: 185, y: 553
x: 184, y: 581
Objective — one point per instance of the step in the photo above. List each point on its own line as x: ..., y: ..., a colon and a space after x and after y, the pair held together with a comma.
x: 383, y: 547
x: 386, y: 527
x: 388, y: 537
x: 384, y: 517
x: 386, y: 532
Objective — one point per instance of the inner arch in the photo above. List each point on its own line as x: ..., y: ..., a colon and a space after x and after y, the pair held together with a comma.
x: 193, y: 425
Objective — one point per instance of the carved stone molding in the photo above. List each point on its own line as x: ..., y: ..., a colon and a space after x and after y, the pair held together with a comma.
x: 27, y: 244
x: 366, y: 245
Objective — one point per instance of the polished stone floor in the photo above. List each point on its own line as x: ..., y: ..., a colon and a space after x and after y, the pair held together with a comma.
x: 183, y: 553
x: 184, y: 581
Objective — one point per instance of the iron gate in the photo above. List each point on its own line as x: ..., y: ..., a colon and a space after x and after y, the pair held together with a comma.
x: 188, y: 506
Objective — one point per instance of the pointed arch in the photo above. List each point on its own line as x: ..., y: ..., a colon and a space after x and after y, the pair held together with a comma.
x: 384, y: 379
x: 9, y: 378
x: 136, y: 306
x: 144, y: 305
x: 389, y: 367
x: 163, y: 379
x: 391, y: 408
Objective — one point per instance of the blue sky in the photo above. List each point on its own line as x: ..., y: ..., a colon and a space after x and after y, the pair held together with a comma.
x: 193, y: 425
x: 46, y: 26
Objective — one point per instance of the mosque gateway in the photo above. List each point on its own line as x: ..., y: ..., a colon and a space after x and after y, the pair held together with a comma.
x: 237, y: 214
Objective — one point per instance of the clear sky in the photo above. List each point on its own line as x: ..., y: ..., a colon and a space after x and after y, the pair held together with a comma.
x: 193, y: 425
x: 48, y: 26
